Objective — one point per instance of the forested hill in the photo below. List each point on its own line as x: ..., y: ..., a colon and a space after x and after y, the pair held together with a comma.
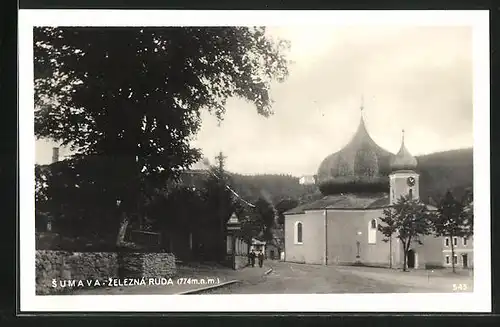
x: 439, y: 172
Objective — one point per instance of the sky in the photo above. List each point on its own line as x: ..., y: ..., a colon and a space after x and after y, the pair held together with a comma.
x: 414, y: 78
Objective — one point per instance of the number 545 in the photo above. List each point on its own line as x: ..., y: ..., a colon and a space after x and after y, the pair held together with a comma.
x: 459, y: 287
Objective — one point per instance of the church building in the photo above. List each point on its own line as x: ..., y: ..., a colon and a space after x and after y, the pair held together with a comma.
x: 358, y: 182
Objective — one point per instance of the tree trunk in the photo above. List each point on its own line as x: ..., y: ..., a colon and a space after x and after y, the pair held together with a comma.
x: 452, y: 254
x: 123, y: 228
x: 405, y: 255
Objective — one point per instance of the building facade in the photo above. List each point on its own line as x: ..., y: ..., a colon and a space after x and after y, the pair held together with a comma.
x: 358, y: 182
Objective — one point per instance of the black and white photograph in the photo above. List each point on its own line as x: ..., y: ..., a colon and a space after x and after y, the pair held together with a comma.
x: 303, y: 161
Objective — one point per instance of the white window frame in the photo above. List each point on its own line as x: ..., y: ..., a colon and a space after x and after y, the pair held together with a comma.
x: 455, y: 241
x: 455, y: 261
x: 447, y: 260
x: 464, y: 241
x: 447, y: 242
x: 372, y: 231
x: 296, y: 232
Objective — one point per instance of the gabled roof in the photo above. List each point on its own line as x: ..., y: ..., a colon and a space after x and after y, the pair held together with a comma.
x: 347, y: 202
x: 344, y: 201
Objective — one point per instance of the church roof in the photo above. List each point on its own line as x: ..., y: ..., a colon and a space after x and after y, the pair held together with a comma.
x: 361, y: 158
x: 348, y: 202
x: 403, y: 160
x: 344, y: 201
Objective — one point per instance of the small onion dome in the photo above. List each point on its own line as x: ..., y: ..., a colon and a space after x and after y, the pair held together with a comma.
x: 403, y: 159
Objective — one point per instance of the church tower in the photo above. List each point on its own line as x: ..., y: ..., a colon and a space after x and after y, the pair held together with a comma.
x: 404, y: 181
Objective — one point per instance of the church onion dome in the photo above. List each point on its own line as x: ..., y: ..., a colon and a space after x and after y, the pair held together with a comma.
x: 360, y: 163
x: 403, y: 160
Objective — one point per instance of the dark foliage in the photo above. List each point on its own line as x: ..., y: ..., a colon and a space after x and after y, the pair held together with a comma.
x: 408, y: 220
x: 445, y: 171
x: 453, y: 218
x: 135, y: 94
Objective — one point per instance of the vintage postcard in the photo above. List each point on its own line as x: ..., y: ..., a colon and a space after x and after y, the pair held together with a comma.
x: 306, y: 161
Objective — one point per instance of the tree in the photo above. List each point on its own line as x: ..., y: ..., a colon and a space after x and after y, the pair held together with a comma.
x: 408, y: 219
x: 251, y: 225
x: 452, y: 219
x: 283, y: 206
x: 389, y: 228
x: 265, y: 213
x: 136, y: 94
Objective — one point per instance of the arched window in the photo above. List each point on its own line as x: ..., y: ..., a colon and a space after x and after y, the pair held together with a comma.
x: 372, y: 231
x: 298, y: 232
x: 410, y: 195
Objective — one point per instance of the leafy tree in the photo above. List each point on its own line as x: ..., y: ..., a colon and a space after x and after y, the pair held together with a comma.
x: 389, y: 228
x: 135, y: 94
x: 219, y: 203
x: 251, y: 224
x: 453, y: 219
x: 265, y: 212
x: 283, y: 206
x: 408, y: 219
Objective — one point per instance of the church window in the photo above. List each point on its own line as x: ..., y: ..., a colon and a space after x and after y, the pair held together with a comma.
x: 447, y: 242
x: 455, y: 241
x: 447, y: 259
x: 372, y: 232
x: 298, y: 232
x: 464, y: 241
x: 410, y: 194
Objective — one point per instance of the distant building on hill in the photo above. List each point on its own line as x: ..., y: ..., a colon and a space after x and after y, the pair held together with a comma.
x: 307, y: 180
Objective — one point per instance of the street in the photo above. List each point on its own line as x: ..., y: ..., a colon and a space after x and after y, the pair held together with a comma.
x: 290, y: 278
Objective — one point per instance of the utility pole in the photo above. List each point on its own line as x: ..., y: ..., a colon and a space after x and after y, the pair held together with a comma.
x: 220, y: 159
x: 390, y: 252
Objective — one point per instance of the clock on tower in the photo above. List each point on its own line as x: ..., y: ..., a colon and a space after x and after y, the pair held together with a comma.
x: 410, y: 181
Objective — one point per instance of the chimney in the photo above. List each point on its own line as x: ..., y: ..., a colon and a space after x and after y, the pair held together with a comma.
x: 55, y: 154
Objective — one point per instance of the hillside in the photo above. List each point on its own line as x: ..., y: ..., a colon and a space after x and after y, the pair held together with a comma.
x: 439, y: 172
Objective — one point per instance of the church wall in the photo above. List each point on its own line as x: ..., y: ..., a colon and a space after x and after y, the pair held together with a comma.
x: 343, y: 228
x: 312, y: 248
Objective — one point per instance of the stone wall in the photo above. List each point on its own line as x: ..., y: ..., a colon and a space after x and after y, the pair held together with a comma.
x: 148, y: 265
x: 60, y: 266
x: 54, y: 269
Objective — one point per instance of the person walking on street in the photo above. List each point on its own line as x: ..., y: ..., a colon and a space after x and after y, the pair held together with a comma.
x: 261, y: 258
x: 252, y: 258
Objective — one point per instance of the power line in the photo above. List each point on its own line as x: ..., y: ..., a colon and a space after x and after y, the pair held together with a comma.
x: 207, y: 166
